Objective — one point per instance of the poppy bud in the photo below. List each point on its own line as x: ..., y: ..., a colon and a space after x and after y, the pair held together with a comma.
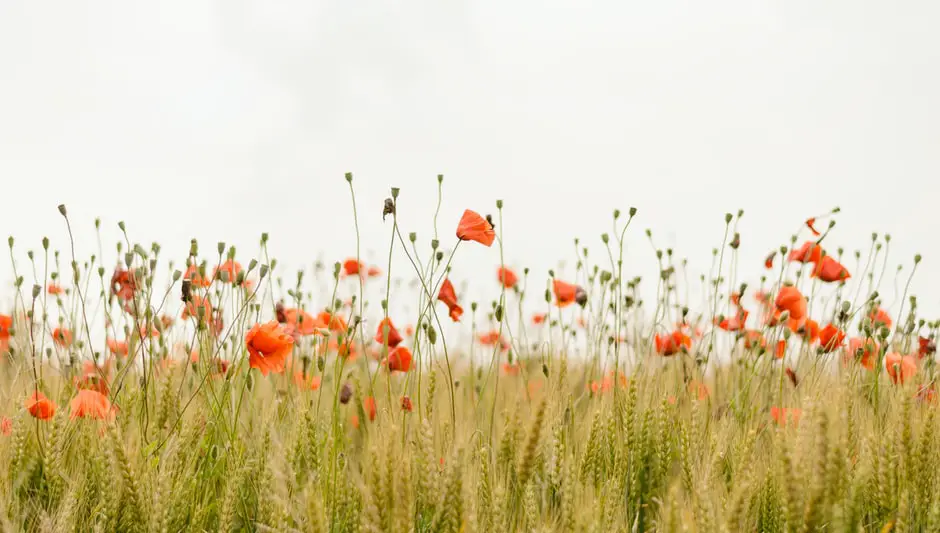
x: 545, y: 369
x: 499, y: 313
x: 412, y: 236
x: 917, y: 259
x: 321, y: 363
x: 345, y: 394
x: 548, y: 295
x: 439, y: 256
x: 509, y: 356
x: 10, y: 241
x: 728, y: 218
x: 434, y: 244
x: 580, y: 296
x: 193, y: 247
x: 604, y: 238
x: 62, y: 210
x: 264, y: 271
x: 489, y: 219
x: 432, y: 334
x: 499, y: 204
x: 616, y: 214
x: 36, y: 290
x: 252, y: 264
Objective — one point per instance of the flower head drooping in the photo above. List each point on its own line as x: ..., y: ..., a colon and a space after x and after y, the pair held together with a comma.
x: 447, y: 295
x: 387, y: 335
x: 473, y: 227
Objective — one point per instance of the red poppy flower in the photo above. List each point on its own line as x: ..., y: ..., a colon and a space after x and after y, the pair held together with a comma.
x: 90, y: 404
x: 667, y: 345
x: 791, y: 300
x: 6, y: 426
x: 333, y: 322
x: 900, y: 368
x: 62, y: 337
x: 810, y: 223
x: 567, y: 293
x: 387, y: 335
x: 406, y: 404
x: 473, y: 227
x: 368, y: 403
x: 230, y: 268
x: 538, y: 318
x: 399, y: 359
x: 734, y: 323
x: 507, y: 277
x: 374, y: 272
x: 117, y: 347
x: 54, y: 289
x: 39, y: 406
x: 301, y: 321
x: 879, y: 316
x: 268, y: 347
x: 831, y: 338
x: 351, y: 267
x: 828, y: 269
x: 925, y: 347
x: 6, y: 324
x: 866, y: 351
x: 449, y: 297
x: 786, y: 415
x: 769, y: 260
x: 781, y: 349
x: 199, y: 308
x: 810, y: 252
x: 123, y: 284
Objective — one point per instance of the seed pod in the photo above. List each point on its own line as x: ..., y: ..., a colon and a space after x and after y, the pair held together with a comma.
x: 345, y: 394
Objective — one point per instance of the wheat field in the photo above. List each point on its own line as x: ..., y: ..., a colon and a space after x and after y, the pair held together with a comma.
x: 232, y: 396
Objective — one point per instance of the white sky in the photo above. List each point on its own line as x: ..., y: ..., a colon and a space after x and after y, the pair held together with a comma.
x: 224, y: 119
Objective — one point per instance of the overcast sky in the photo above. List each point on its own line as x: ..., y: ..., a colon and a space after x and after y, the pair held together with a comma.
x: 220, y: 120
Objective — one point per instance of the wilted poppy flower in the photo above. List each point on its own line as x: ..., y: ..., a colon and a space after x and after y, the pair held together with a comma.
x: 399, y: 359
x: 810, y: 252
x: 507, y: 277
x: 387, y: 335
x: 473, y: 227
x: 123, y: 284
x: 195, y: 278
x: 449, y: 297
x: 879, y: 316
x: 54, y: 289
x: 268, y: 347
x: 90, y: 404
x: 810, y: 223
x: 865, y: 350
x: 786, y: 415
x: 368, y: 403
x: 538, y: 318
x: 62, y: 337
x: 900, y: 368
x: 791, y: 375
x: 117, y: 347
x: 925, y: 347
x: 39, y: 406
x: 567, y: 293
x: 830, y: 338
x: 231, y: 269
x: 406, y: 404
x: 351, y: 267
x: 828, y: 269
x: 791, y: 300
x: 6, y: 426
x: 672, y: 344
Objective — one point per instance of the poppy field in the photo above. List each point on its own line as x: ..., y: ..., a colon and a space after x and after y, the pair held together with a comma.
x: 221, y: 392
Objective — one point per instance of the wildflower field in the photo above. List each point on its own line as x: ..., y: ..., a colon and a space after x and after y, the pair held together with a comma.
x: 218, y: 392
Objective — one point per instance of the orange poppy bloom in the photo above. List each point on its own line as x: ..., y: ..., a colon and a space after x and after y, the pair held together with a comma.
x: 511, y: 369
x: 831, y: 338
x: 39, y: 406
x: 268, y: 347
x: 409, y: 330
x: 230, y: 268
x: 303, y: 322
x: 62, y: 337
x: 473, y: 227
x: 167, y: 321
x: 54, y: 289
x: 387, y: 335
x: 735, y: 323
x: 6, y: 426
x: 6, y: 324
x: 406, y: 404
x: 399, y: 359
x: 374, y: 272
x: 490, y: 338
x: 507, y: 277
x: 900, y: 368
x: 699, y: 390
x: 754, y: 339
x: 195, y: 278
x: 790, y: 299
x: 786, y: 415
x: 791, y: 375
x: 368, y: 403
x: 828, y: 269
x: 311, y: 382
x: 334, y: 322
x: 354, y: 420
x: 538, y: 318
x: 781, y: 349
x: 925, y: 393
x: 568, y: 293
x: 193, y: 307
x: 866, y: 351
x: 810, y: 223
x: 449, y: 297
x: 351, y: 267
x: 880, y: 316
x: 90, y: 404
x: 667, y: 345
x: 810, y: 252
x: 117, y: 347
